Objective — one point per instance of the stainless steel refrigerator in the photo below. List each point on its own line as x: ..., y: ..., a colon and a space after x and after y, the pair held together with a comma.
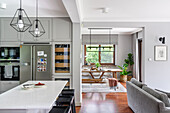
x: 35, y: 62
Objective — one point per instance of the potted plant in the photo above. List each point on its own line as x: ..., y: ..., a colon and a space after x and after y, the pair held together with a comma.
x: 97, y: 65
x: 130, y: 63
x: 124, y: 73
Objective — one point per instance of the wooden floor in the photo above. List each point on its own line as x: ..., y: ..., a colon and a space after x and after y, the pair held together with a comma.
x: 104, y: 103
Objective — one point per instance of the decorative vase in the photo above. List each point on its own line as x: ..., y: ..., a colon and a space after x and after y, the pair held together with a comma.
x: 123, y: 78
x: 129, y: 78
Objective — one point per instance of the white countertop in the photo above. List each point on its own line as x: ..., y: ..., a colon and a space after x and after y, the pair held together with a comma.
x: 35, y: 98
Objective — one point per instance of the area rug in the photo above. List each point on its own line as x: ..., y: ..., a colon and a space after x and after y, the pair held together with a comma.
x: 96, y: 87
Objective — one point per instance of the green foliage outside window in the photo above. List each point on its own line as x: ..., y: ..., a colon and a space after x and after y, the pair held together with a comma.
x: 92, y: 55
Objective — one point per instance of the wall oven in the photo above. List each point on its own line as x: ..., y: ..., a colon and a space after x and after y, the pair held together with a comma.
x: 9, y: 53
x: 9, y: 63
x: 10, y: 72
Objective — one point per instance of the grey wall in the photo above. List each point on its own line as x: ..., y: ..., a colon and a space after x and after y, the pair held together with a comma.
x: 156, y: 73
x: 99, y: 39
x: 124, y: 47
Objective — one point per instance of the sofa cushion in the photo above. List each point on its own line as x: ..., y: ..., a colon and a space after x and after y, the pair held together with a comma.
x: 167, y: 93
x: 159, y: 95
x: 137, y: 83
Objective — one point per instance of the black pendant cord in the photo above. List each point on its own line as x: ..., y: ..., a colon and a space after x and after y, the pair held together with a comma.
x: 36, y: 9
x: 20, y: 4
x: 90, y: 37
x: 109, y: 36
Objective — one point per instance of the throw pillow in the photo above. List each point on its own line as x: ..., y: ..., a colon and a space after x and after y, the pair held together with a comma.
x: 137, y: 83
x: 159, y: 95
x: 168, y: 94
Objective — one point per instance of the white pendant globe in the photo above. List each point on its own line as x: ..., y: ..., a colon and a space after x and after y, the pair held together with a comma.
x: 37, y: 32
x: 20, y: 24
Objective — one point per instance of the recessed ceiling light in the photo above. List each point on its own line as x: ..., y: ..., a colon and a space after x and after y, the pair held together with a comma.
x: 105, y: 10
x: 2, y: 5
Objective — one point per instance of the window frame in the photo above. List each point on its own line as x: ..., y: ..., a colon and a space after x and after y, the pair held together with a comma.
x: 100, y: 56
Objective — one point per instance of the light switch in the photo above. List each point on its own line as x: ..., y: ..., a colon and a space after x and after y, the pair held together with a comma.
x: 150, y: 59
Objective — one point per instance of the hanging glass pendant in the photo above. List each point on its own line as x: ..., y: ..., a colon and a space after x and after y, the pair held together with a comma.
x: 20, y: 22
x: 37, y: 28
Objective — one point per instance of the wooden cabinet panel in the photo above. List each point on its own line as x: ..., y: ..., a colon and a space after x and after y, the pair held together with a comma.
x: 62, y: 71
x: 62, y: 49
x: 60, y: 57
x: 62, y: 64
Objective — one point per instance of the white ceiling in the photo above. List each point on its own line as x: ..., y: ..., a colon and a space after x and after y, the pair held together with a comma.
x: 126, y: 10
x: 91, y: 10
x: 47, y: 8
x: 114, y: 30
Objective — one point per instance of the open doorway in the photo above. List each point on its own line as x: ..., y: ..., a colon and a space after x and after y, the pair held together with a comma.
x: 103, y: 51
x: 140, y: 58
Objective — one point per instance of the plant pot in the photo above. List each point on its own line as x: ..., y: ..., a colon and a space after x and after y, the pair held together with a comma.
x: 129, y: 78
x: 123, y: 78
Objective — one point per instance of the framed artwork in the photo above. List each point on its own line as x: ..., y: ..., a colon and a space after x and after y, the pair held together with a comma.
x: 161, y: 53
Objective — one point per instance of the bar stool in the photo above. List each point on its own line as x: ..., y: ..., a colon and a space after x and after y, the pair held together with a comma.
x: 67, y: 93
x: 60, y: 109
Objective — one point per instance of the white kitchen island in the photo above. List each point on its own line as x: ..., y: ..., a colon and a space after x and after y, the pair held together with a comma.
x: 35, y: 100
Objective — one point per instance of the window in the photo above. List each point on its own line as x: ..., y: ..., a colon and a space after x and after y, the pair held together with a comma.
x: 104, y: 54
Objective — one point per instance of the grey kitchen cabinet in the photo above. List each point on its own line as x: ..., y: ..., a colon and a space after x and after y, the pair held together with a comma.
x: 62, y: 28
x: 8, y: 34
x: 7, y: 85
x: 46, y: 22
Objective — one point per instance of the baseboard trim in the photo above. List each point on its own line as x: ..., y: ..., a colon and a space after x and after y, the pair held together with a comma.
x: 78, y: 104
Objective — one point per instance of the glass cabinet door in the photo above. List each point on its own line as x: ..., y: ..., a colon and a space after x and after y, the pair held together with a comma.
x: 62, y: 58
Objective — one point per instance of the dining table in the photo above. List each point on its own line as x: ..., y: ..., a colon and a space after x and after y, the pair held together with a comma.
x: 102, y: 71
x: 33, y: 100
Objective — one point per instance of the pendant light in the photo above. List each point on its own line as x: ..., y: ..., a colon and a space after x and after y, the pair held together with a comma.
x: 20, y: 22
x: 100, y: 48
x: 110, y: 38
x: 37, y: 28
x: 90, y: 39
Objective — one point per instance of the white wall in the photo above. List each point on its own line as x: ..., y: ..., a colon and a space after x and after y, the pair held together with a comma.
x: 156, y: 73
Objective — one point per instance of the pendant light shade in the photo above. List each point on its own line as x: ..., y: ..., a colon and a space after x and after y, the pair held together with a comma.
x: 37, y: 28
x: 20, y: 22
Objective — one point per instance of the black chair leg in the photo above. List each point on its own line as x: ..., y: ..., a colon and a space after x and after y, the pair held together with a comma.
x: 73, y: 106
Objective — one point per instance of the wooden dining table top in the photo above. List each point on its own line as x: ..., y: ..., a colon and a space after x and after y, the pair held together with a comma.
x: 102, y: 70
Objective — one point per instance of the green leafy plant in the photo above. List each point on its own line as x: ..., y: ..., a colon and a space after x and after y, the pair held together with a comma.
x: 130, y: 63
x: 124, y: 69
x: 129, y: 60
x: 97, y: 64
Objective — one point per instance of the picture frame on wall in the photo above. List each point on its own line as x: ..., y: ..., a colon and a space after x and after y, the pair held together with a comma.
x: 161, y: 53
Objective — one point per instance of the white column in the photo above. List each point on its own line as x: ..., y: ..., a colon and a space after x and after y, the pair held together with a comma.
x: 76, y: 64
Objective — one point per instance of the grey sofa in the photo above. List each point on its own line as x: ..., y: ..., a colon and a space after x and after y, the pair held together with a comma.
x: 142, y: 99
